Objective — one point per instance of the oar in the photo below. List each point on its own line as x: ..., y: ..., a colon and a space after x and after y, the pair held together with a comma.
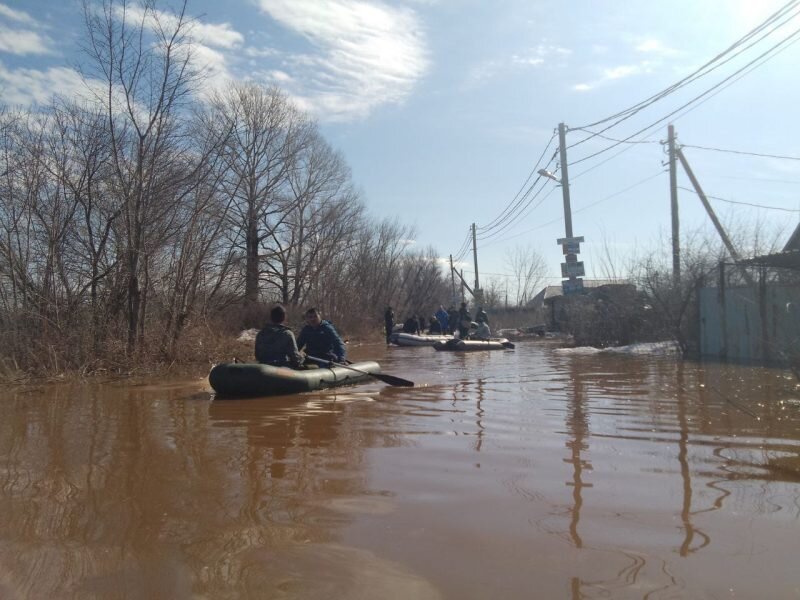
x: 505, y: 344
x: 387, y: 379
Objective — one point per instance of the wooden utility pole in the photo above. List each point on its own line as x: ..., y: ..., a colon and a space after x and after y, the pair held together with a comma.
x: 475, y: 258
x: 572, y: 270
x: 722, y: 234
x: 562, y: 142
x: 453, y: 278
x: 673, y: 197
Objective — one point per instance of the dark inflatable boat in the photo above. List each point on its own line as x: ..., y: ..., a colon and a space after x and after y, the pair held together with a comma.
x: 254, y: 379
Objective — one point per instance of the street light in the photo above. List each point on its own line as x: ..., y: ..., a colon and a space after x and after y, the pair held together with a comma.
x: 549, y: 175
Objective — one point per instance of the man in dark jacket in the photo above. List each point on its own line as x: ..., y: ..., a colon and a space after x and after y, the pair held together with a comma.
x: 320, y: 339
x: 411, y: 325
x: 388, y: 322
x: 481, y: 316
x: 464, y: 321
x: 275, y: 343
x: 452, y: 319
x: 434, y: 327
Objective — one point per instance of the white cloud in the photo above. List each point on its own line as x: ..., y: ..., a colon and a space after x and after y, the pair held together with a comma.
x: 609, y: 74
x: 18, y: 35
x: 653, y: 46
x: 621, y: 71
x: 543, y: 55
x: 253, y: 52
x: 364, y: 53
x: 20, y: 41
x: 220, y: 35
x: 280, y: 76
x: 16, y: 15
x: 209, y: 45
x: 31, y: 86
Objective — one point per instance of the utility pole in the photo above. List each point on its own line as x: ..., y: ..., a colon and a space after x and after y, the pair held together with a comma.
x: 724, y: 236
x: 673, y: 197
x: 562, y: 143
x: 461, y: 275
x: 571, y: 270
x: 453, y: 278
x: 720, y: 229
x: 475, y: 258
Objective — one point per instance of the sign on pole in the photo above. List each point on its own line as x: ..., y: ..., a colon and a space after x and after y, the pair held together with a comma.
x: 572, y: 286
x: 572, y: 269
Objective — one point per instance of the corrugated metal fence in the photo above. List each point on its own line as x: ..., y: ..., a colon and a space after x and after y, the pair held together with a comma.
x: 758, y: 323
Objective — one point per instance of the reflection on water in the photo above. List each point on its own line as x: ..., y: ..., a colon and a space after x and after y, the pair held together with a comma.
x: 532, y: 473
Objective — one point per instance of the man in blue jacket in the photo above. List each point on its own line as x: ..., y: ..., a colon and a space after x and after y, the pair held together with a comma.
x: 319, y: 338
x: 443, y: 318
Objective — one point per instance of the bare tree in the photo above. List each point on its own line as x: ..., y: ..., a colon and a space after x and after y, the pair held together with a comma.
x: 320, y: 224
x: 529, y: 269
x: 267, y: 135
x: 143, y: 57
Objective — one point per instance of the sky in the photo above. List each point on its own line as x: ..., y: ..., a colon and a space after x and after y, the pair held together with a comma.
x: 442, y: 109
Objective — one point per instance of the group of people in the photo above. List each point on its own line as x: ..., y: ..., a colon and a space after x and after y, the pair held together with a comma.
x: 277, y: 346
x: 451, y: 321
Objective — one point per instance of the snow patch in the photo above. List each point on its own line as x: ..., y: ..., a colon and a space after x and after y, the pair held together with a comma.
x: 248, y: 335
x: 643, y: 349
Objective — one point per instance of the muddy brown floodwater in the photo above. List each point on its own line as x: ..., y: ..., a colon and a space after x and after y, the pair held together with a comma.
x: 537, y: 473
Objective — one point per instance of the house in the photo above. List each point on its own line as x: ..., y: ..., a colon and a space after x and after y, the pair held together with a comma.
x: 552, y: 299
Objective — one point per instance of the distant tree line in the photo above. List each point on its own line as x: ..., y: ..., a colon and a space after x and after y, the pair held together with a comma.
x: 132, y: 221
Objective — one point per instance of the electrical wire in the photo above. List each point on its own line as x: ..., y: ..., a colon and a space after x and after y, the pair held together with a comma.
x: 528, y: 197
x: 683, y: 113
x: 742, y: 152
x: 610, y: 139
x: 517, y: 200
x: 701, y: 71
x: 522, y: 209
x: 464, y: 247
x: 791, y: 210
x: 588, y: 206
x: 695, y: 99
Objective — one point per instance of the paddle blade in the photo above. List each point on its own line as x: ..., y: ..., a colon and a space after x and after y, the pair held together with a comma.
x: 508, y: 345
x: 392, y: 380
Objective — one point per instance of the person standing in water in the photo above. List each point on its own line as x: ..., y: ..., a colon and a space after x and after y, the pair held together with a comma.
x: 388, y: 323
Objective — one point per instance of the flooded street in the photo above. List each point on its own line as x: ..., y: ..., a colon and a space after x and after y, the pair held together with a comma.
x: 534, y: 473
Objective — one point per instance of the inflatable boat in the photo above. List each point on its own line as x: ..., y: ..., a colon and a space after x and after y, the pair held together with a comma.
x: 456, y: 345
x: 254, y: 379
x: 411, y: 339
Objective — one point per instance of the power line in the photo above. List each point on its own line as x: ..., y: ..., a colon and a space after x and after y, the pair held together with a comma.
x: 514, y: 203
x: 588, y: 206
x: 605, y: 137
x: 520, y: 209
x: 742, y: 152
x: 696, y: 98
x: 700, y: 72
x: 511, y: 237
x: 792, y: 210
x: 627, y: 189
x: 464, y: 247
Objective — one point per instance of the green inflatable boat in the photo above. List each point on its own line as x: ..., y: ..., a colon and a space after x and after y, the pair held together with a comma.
x: 254, y: 379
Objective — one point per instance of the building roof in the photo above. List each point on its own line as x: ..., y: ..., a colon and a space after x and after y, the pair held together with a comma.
x: 785, y: 260
x: 552, y: 291
x: 794, y: 240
